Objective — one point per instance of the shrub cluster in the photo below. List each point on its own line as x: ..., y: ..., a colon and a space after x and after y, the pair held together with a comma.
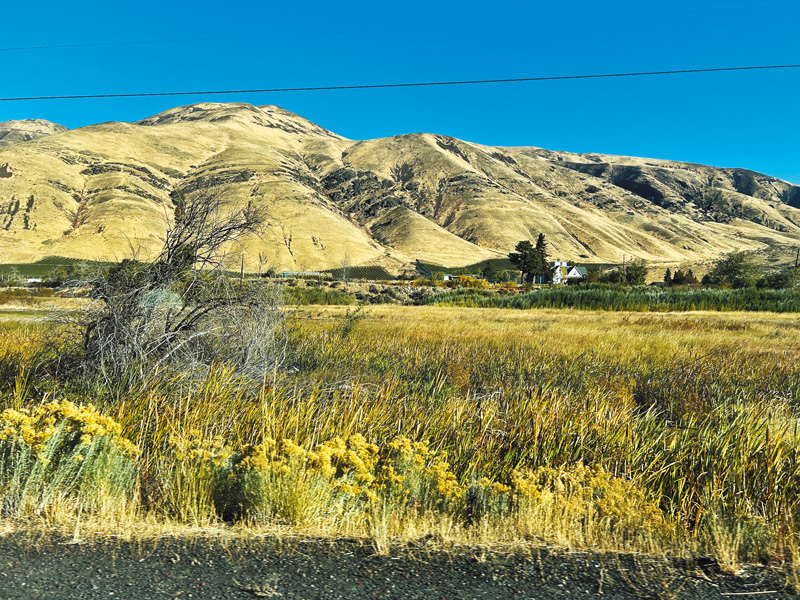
x: 342, y: 480
x: 63, y: 457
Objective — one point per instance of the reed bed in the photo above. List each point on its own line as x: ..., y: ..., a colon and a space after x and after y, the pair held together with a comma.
x: 622, y: 298
x: 647, y: 432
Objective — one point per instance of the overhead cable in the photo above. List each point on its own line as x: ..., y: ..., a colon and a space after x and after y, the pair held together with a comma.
x: 397, y: 85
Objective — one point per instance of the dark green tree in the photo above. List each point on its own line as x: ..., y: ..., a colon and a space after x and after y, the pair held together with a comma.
x: 541, y: 247
x: 612, y: 276
x: 668, y: 277
x: 735, y: 269
x: 489, y: 273
x: 530, y: 259
x: 524, y: 258
x: 636, y: 272
x: 779, y: 280
x: 543, y: 267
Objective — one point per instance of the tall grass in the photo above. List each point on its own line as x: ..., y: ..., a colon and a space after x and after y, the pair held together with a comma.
x: 578, y: 428
x: 638, y: 299
x: 317, y: 295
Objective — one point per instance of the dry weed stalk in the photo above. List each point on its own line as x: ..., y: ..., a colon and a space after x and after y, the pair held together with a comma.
x: 182, y: 312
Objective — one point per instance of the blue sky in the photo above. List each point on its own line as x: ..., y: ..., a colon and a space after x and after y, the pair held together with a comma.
x: 744, y: 119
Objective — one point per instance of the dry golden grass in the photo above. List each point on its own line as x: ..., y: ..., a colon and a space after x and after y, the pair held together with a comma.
x: 691, y: 414
x: 628, y: 336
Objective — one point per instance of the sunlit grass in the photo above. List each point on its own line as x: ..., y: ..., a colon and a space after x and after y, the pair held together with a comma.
x: 644, y: 432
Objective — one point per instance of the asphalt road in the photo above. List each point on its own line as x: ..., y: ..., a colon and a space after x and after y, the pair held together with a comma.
x: 348, y: 569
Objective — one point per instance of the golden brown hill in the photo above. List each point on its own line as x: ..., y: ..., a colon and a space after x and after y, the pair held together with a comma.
x: 16, y: 132
x: 100, y: 191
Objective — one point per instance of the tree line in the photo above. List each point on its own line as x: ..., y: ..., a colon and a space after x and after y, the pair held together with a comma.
x: 533, y: 261
x: 733, y: 270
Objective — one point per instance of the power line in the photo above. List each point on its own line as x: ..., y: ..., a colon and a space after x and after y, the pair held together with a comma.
x: 399, y: 85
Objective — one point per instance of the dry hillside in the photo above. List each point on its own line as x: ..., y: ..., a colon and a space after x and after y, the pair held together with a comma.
x: 103, y: 191
x: 16, y: 132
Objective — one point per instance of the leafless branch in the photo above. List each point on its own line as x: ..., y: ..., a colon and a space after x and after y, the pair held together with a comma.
x: 182, y: 311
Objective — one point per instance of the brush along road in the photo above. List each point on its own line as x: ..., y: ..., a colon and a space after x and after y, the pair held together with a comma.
x: 309, y: 569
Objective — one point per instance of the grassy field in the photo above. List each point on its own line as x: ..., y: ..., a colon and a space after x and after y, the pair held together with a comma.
x: 46, y: 266
x: 667, y: 433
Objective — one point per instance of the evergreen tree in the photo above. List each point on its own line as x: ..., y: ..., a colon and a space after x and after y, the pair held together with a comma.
x: 526, y: 259
x: 531, y: 260
x: 668, y: 277
x: 543, y: 267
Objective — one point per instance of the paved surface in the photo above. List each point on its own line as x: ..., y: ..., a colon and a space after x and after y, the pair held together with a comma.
x: 350, y: 570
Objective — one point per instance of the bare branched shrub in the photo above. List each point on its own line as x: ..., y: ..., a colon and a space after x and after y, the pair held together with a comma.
x: 183, y: 311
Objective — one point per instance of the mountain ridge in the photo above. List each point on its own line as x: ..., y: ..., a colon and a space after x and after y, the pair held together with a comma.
x: 101, y: 191
x: 17, y: 132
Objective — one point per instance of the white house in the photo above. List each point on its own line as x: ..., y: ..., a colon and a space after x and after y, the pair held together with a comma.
x: 561, y: 272
x: 449, y: 277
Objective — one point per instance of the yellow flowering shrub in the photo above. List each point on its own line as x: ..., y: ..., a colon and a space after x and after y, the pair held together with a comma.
x: 352, y: 462
x: 35, y: 428
x: 412, y: 475
x: 61, y: 451
x: 469, y: 282
x: 589, y: 497
x: 486, y: 499
x: 190, y: 475
x: 280, y: 479
x: 194, y: 447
